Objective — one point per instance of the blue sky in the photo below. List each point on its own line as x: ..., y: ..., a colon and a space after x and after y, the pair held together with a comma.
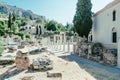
x: 60, y: 10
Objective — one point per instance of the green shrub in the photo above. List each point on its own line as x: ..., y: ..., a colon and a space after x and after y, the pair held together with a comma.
x: 21, y: 35
x: 1, y: 46
x: 27, y: 36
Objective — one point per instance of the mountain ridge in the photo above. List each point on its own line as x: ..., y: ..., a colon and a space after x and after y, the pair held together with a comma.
x: 6, y: 9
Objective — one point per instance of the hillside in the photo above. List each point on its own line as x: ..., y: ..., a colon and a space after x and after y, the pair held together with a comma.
x: 6, y: 9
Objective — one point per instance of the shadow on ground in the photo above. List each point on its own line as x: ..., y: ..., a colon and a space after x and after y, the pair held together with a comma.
x: 35, y: 71
x: 12, y: 73
x: 99, y: 71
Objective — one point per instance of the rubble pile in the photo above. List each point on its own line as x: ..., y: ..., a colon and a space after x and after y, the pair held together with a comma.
x: 43, y: 63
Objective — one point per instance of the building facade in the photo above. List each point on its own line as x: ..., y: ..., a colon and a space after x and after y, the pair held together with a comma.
x: 106, y: 27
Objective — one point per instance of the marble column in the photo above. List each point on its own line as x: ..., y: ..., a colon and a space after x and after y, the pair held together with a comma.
x: 54, y: 41
x: 89, y: 51
x: 64, y: 42
x: 60, y: 42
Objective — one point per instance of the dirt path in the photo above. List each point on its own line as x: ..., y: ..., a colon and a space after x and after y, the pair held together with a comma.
x: 72, y: 67
x: 100, y: 72
x: 69, y: 70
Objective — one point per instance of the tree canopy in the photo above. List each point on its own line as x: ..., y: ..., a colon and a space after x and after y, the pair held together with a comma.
x: 14, y: 27
x: 54, y: 26
x: 3, y: 26
x: 82, y: 18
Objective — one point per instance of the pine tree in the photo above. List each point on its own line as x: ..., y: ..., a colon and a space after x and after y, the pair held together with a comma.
x: 82, y: 19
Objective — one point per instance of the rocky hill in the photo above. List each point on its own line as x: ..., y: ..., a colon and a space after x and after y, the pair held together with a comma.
x: 6, y: 9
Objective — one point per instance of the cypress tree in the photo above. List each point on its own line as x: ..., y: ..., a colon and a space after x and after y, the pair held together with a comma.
x: 40, y: 30
x: 82, y: 18
x: 36, y: 30
x: 14, y: 18
x: 10, y: 21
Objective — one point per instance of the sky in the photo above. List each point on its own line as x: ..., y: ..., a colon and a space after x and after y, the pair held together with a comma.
x: 60, y: 10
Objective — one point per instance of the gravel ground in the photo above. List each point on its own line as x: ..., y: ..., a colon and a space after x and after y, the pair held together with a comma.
x: 69, y: 70
x: 71, y: 66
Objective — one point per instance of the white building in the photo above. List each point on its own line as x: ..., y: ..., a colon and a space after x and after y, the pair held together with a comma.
x: 28, y: 29
x: 106, y: 26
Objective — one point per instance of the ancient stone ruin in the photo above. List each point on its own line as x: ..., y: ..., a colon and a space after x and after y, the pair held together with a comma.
x: 96, y: 52
x: 50, y: 74
x: 22, y: 61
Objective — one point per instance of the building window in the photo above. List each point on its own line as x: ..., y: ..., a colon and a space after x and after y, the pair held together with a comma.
x: 91, y: 38
x: 29, y: 27
x: 26, y: 27
x: 114, y: 37
x: 114, y: 15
